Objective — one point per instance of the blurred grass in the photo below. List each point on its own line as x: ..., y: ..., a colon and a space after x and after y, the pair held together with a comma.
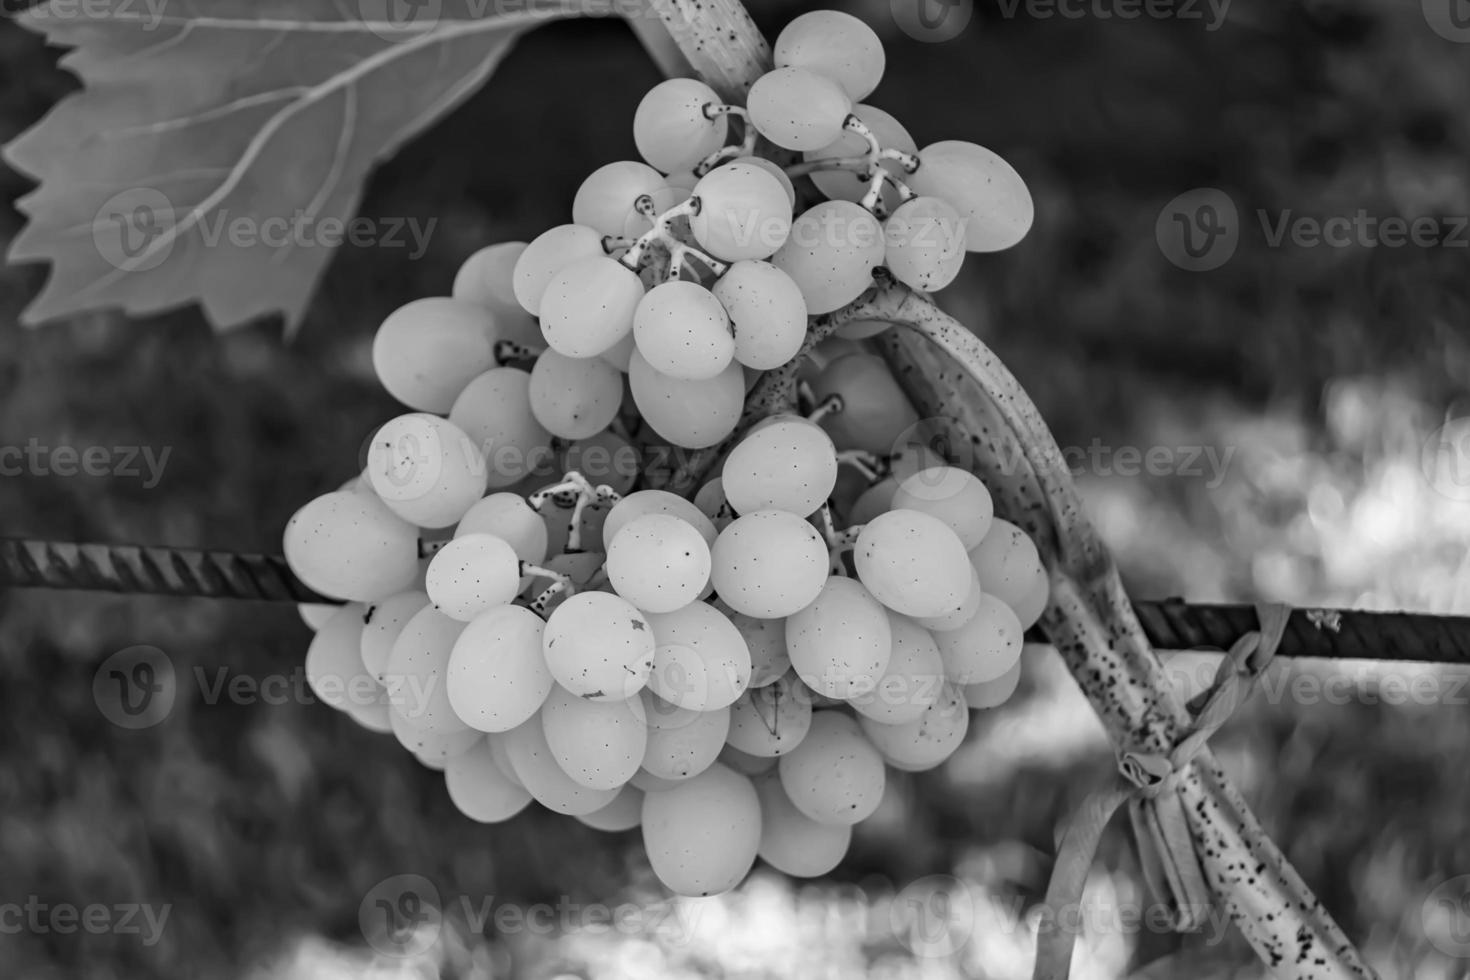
x: 1323, y: 370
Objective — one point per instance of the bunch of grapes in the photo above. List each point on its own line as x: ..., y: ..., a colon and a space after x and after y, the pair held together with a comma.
x: 734, y: 672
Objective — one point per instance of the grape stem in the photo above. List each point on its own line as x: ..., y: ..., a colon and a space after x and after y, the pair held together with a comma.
x: 744, y: 148
x: 429, y: 548
x: 583, y: 494
x: 561, y: 583
x: 872, y: 466
x: 831, y: 405
x: 661, y: 234
x: 508, y: 350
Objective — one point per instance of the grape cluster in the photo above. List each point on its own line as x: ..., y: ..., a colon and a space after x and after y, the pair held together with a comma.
x: 734, y: 672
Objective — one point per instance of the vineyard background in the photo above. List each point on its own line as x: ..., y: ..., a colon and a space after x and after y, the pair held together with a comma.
x: 1322, y: 370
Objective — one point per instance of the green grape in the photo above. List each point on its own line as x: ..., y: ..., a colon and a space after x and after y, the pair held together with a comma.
x: 656, y: 502
x: 745, y: 763
x: 548, y: 254
x: 383, y: 622
x: 479, y: 789
x: 772, y: 720
x: 912, y: 563
x: 618, y: 354
x: 767, y: 313
x: 658, y: 562
x: 316, y: 614
x: 495, y: 413
x: 958, y: 615
x: 788, y: 463
x: 334, y: 669
x: 415, y: 673
x: 351, y: 546
x: 702, y: 835
x: 912, y: 680
x: 1033, y: 603
x: 544, y: 778
x: 774, y: 169
x: 473, y: 574
x: 846, y: 185
x: 604, y: 458
x: 836, y: 45
x: 1008, y: 563
x: 510, y: 518
x: 427, y: 351
x: 985, y: 647
x: 766, y: 639
x: 426, y: 469
x: 497, y: 674
x: 831, y: 253
x: 701, y: 661
x: 924, y: 243
x: 574, y: 398
x: 994, y: 693
x: 955, y: 496
x: 743, y: 212
x: 875, y: 411
x: 769, y: 563
x: 798, y: 109
x: 681, y: 329
x: 599, y: 646
x: 624, y: 812
x: 671, y: 128
x: 689, y: 414
x: 876, y: 499
x: 840, y: 643
x: 647, y: 782
x: 433, y: 749
x: 792, y: 842
x: 487, y: 277
x: 835, y: 776
x: 916, y: 746
x: 985, y: 190
x: 712, y: 503
x: 588, y: 306
x: 598, y: 743
x: 606, y: 197
x: 681, y: 743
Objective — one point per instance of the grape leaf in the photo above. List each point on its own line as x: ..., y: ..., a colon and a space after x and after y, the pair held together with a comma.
x: 218, y: 149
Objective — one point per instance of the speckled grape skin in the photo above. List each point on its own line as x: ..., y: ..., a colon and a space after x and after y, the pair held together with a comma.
x: 912, y: 563
x: 431, y: 748
x: 912, y: 681
x: 427, y: 470
x: 427, y: 351
x: 598, y: 743
x: 681, y: 743
x: 658, y: 562
x: 702, y: 661
x: 960, y: 614
x: 599, y: 646
x: 766, y: 639
x: 786, y: 464
x: 840, y: 643
x: 773, y: 720
x: 656, y: 502
x: 574, y: 397
x: 471, y: 575
x: 546, y: 255
x: 1033, y: 604
x: 624, y: 812
x: 929, y: 740
x: 836, y: 45
x: 982, y: 187
x: 798, y: 109
x: 831, y: 254
x: 955, y: 496
x: 497, y: 673
x: 702, y: 835
x: 792, y: 842
x: 769, y: 563
x: 985, y: 647
x: 767, y: 313
x: 835, y: 775
x: 494, y: 411
x: 690, y: 414
x: 744, y: 212
x: 417, y: 666
x: 670, y: 127
x: 543, y: 778
x: 606, y: 197
x: 351, y: 546
x: 1007, y: 562
x: 844, y: 185
x: 588, y: 306
x: 875, y: 412
x: 682, y: 331
x: 384, y: 621
x: 478, y: 788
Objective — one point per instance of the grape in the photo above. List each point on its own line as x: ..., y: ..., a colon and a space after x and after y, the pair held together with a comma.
x: 831, y: 254
x: 683, y: 332
x: 607, y: 196
x: 985, y: 190
x: 955, y: 496
x: 624, y: 812
x: 924, y: 243
x: 681, y: 743
x: 702, y: 835
x: 574, y: 398
x: 701, y: 661
x: 985, y: 647
x: 372, y: 712
x: 543, y: 777
x: 875, y: 411
x: 712, y: 504
x: 690, y: 414
x: 647, y: 782
x: 588, y: 306
x: 495, y: 413
x: 415, y: 673
x: 351, y: 546
x: 789, y: 464
x: 501, y: 756
x: 769, y: 563
x: 1033, y: 604
x: 877, y: 499
x: 478, y: 788
x: 743, y: 212
x: 774, y: 169
x: 771, y: 720
x: 912, y: 680
x: 792, y: 842
x: 1008, y: 562
x: 510, y: 518
x: 598, y: 743
x: 911, y: 562
x: 658, y: 562
x: 487, y: 277
x: 548, y: 254
x: 767, y: 313
x: 427, y: 351
x: 766, y: 639
x: 845, y: 185
x: 798, y: 109
x: 580, y: 565
x: 617, y: 355
x: 383, y: 622
x: 433, y: 749
x: 836, y: 45
x: 994, y: 693
x: 334, y: 669
x: 604, y: 458
x: 599, y: 646
x: 655, y: 502
x: 425, y: 469
x: 922, y: 744
x: 497, y: 673
x: 670, y: 127
x: 472, y: 575
x: 745, y: 763
x: 316, y: 614
x: 960, y: 614
x: 841, y: 643
x: 835, y: 775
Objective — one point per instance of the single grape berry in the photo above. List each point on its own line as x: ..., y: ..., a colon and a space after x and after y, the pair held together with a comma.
x: 798, y: 109
x: 673, y: 127
x: 834, y: 44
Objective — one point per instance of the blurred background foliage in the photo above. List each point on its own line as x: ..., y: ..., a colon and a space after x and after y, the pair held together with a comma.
x: 1322, y: 371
